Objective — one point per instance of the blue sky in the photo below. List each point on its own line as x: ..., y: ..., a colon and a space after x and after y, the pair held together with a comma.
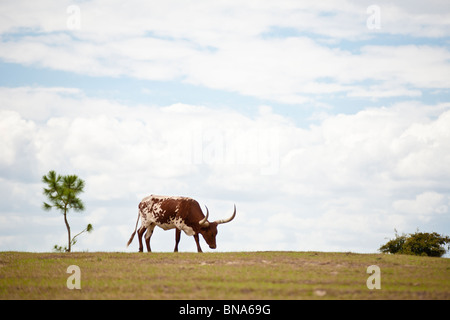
x: 325, y: 132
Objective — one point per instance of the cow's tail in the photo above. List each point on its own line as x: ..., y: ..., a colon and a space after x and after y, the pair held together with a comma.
x: 135, y: 228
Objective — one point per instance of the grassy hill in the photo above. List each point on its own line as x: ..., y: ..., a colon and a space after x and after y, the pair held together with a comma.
x: 229, y: 275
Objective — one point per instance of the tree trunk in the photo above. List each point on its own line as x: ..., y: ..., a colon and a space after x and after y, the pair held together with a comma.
x: 68, y: 228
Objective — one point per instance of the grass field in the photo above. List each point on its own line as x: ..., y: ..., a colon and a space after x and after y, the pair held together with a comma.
x: 230, y: 275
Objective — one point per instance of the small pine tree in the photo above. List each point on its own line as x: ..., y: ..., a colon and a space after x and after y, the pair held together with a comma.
x: 62, y: 193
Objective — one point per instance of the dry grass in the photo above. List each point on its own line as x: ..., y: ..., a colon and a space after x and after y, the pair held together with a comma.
x: 232, y: 275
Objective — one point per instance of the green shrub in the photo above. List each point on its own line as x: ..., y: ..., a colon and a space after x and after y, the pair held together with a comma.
x: 419, y: 244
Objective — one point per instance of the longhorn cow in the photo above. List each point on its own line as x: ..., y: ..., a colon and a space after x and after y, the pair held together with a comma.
x: 181, y: 213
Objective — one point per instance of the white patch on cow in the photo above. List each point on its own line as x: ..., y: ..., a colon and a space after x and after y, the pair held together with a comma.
x: 157, y: 208
x: 176, y: 223
x: 188, y: 230
x: 149, y: 232
x: 182, y: 226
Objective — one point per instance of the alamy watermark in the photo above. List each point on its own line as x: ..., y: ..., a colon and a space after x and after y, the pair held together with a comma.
x: 254, y: 148
x: 74, y: 281
x: 374, y: 280
x: 74, y: 19
x: 373, y: 22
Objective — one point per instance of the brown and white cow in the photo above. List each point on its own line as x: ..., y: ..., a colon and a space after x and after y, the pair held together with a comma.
x: 181, y: 213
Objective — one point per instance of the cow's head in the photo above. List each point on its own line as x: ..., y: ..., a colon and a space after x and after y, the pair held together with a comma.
x: 209, y: 229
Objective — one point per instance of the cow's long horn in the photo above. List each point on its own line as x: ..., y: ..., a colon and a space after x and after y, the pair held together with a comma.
x: 204, y: 221
x: 229, y: 219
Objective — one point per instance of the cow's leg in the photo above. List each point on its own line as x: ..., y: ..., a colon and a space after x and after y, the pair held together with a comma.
x: 177, y: 239
x: 148, y: 235
x: 197, y: 241
x: 140, y: 234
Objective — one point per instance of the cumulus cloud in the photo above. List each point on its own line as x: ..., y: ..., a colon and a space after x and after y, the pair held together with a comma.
x: 234, y: 47
x: 339, y: 181
x: 347, y: 175
x: 424, y: 205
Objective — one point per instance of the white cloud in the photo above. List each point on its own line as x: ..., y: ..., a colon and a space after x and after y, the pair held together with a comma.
x: 346, y: 178
x: 425, y: 205
x: 204, y: 21
x: 223, y: 46
x: 339, y: 184
x: 427, y: 148
x: 14, y: 143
